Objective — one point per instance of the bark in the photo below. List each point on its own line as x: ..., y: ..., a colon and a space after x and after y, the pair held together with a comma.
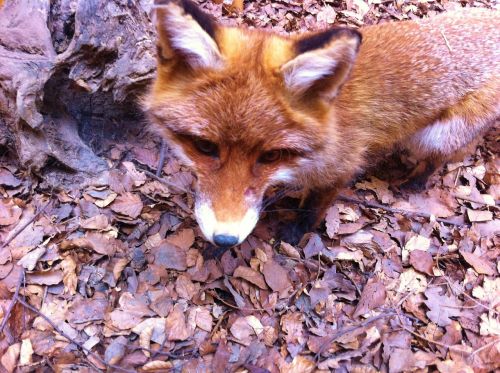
x: 70, y: 69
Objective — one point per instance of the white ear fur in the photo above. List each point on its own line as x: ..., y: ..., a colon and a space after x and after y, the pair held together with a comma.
x: 334, y: 61
x: 180, y: 34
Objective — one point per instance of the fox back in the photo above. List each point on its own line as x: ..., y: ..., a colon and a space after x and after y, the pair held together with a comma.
x: 247, y: 109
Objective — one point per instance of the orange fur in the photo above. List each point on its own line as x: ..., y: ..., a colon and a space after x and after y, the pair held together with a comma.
x: 410, y: 83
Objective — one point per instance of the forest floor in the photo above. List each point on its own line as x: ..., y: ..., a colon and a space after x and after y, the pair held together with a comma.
x: 116, y: 275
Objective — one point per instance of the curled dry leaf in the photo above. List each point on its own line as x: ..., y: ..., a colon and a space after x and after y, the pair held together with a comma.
x: 26, y: 353
x: 119, y: 267
x: 145, y: 339
x: 157, y: 365
x: 29, y: 260
x: 158, y: 328
x: 70, y: 281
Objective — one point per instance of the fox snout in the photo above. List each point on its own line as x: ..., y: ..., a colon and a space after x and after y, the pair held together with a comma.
x: 222, y: 229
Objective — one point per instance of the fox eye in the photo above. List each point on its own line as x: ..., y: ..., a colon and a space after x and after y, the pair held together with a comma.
x: 270, y: 156
x: 206, y: 147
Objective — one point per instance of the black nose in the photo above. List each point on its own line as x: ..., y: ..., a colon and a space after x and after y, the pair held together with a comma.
x: 225, y: 241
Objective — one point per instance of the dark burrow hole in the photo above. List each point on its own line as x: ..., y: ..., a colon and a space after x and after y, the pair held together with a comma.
x: 101, y: 120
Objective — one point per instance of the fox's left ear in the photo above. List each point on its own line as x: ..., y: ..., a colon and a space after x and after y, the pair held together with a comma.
x: 186, y: 34
x: 322, y: 63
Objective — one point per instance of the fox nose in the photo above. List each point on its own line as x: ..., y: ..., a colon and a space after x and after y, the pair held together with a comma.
x: 223, y: 240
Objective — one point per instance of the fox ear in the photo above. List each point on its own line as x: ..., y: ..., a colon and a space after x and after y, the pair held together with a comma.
x: 185, y: 33
x: 323, y: 62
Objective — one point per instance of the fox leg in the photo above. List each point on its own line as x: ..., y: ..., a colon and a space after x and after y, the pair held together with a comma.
x: 311, y: 212
x: 457, y: 127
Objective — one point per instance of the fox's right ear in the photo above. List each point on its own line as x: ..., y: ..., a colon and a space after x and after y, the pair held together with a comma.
x: 322, y: 62
x: 187, y: 34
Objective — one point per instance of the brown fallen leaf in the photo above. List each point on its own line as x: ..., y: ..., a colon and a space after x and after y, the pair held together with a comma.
x: 314, y: 246
x: 479, y: 216
x: 276, y: 276
x: 9, y: 358
x: 116, y: 350
x: 203, y: 319
x: 52, y: 277
x: 98, y: 242
x: 299, y: 364
x: 332, y: 220
x: 98, y: 222
x: 183, y: 239
x: 422, y: 261
x: 250, y: 275
x: 480, y: 265
x: 128, y: 204
x: 170, y: 256
x: 441, y: 307
x: 372, y: 296
x: 124, y: 320
x: 242, y: 330
x: 8, y: 179
x: 9, y: 212
x: 175, y: 325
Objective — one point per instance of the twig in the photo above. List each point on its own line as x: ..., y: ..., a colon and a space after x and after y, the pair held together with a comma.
x: 161, y: 161
x: 446, y: 41
x: 376, y: 205
x: 213, y: 294
x: 343, y: 331
x: 165, y: 182
x: 487, y: 345
x: 468, y: 199
x: 24, y: 226
x: 13, y: 302
x: 160, y: 350
x: 71, y: 340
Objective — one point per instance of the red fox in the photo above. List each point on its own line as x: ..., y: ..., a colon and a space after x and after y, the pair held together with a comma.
x: 247, y: 109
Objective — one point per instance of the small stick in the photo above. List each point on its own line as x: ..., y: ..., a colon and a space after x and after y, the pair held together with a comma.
x: 446, y: 41
x: 165, y: 182
x: 71, y: 340
x: 24, y: 226
x: 161, y: 161
x: 468, y: 199
x: 343, y: 331
x: 12, y: 302
x: 376, y: 205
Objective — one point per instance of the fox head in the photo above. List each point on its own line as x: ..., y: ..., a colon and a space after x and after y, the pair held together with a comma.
x: 244, y: 109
